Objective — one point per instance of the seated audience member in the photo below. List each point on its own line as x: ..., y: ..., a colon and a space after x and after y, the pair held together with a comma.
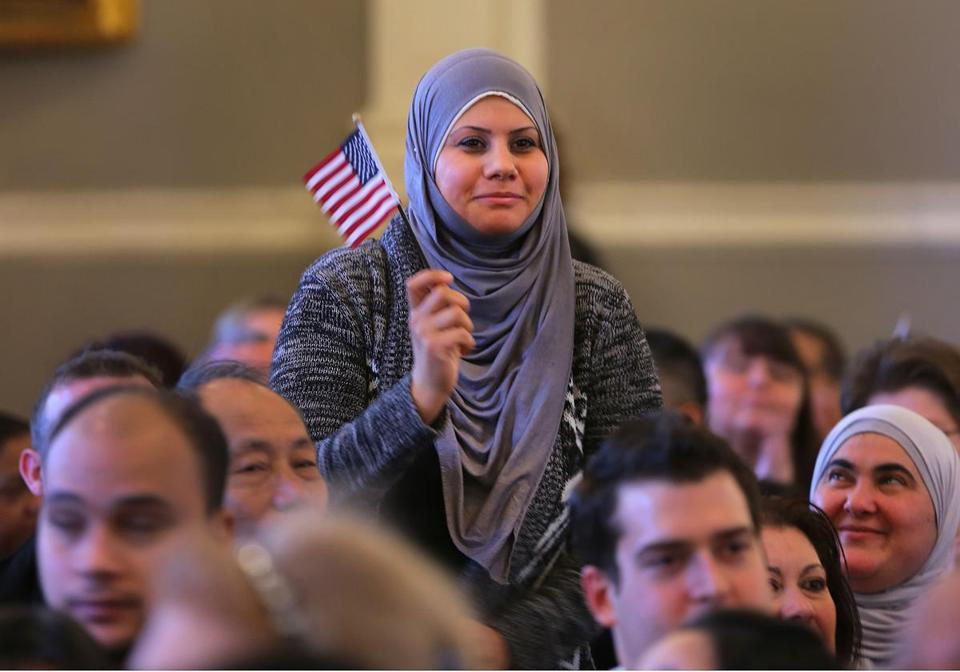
x: 681, y: 373
x: 339, y: 591
x: 929, y: 641
x: 919, y: 373
x: 273, y: 463
x: 247, y: 332
x: 157, y: 351
x: 81, y: 375
x: 806, y: 572
x: 666, y: 523
x: 18, y: 506
x: 37, y: 638
x: 889, y: 481
x: 824, y: 359
x: 76, y: 378
x: 125, y: 472
x: 739, y: 640
x: 756, y: 399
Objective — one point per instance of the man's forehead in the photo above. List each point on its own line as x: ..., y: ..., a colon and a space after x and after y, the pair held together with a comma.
x: 246, y: 402
x: 648, y: 510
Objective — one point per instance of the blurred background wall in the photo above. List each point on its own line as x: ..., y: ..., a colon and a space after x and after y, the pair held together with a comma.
x: 791, y: 158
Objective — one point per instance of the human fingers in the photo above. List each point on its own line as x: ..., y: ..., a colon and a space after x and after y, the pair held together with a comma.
x: 420, y: 284
x: 447, y: 318
x: 439, y: 298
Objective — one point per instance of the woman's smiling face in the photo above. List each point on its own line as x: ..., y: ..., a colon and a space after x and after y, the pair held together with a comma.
x: 492, y: 169
x: 799, y: 582
x: 875, y: 497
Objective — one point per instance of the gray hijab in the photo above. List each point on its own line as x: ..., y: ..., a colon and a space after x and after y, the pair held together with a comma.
x: 505, y: 412
x: 884, y: 614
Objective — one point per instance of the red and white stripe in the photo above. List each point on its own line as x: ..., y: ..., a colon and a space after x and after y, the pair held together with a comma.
x: 356, y: 210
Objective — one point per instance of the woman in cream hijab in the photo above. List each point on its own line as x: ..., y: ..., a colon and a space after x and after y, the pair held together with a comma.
x: 889, y: 480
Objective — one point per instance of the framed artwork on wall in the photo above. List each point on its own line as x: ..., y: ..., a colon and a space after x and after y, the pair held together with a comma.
x: 66, y: 23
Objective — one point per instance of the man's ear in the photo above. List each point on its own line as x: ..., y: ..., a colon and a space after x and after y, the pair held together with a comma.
x: 599, y: 590
x: 30, y: 471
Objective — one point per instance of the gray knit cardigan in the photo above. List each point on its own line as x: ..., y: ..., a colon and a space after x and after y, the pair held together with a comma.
x: 344, y: 359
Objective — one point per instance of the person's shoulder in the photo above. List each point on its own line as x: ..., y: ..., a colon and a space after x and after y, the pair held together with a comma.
x: 596, y: 282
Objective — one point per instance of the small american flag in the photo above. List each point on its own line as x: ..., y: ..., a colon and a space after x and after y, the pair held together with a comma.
x: 352, y: 188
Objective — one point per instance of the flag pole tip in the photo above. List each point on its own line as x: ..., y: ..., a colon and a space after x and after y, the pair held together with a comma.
x: 356, y: 118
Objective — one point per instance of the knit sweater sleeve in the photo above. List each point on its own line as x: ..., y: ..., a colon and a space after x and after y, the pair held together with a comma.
x: 365, y: 437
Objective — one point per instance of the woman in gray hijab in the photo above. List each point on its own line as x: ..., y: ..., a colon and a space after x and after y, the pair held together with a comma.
x: 455, y: 373
x: 889, y: 480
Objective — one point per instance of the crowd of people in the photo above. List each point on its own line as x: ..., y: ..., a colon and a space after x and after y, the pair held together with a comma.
x: 455, y: 447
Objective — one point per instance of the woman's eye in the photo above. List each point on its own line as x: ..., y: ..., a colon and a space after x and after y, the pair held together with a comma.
x: 893, y: 480
x: 471, y: 143
x: 837, y: 476
x: 814, y: 585
x: 775, y: 585
x: 525, y: 144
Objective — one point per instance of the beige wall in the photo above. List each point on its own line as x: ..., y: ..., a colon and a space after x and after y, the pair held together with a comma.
x: 757, y: 89
x: 780, y: 156
x: 211, y: 92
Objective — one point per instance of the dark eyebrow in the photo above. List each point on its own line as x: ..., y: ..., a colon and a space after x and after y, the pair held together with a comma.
x: 481, y: 129
x: 843, y: 464
x: 63, y: 498
x: 140, y: 502
x: 775, y: 570
x: 894, y: 468
x: 305, y: 442
x: 723, y: 535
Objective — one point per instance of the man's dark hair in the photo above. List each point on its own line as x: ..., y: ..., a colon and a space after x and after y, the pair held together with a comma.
x: 663, y: 446
x: 679, y: 362
x: 761, y: 337
x: 749, y: 640
x: 202, y: 373
x: 893, y: 364
x: 813, y: 523
x: 90, y: 364
x: 12, y: 427
x: 157, y: 351
x: 834, y: 356
x: 201, y: 430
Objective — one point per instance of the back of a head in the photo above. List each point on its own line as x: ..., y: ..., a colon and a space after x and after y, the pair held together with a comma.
x: 232, y: 325
x: 37, y: 638
x: 201, y: 430
x: 367, y: 596
x: 201, y: 373
x: 158, y: 352
x: 678, y: 366
x: 663, y: 446
x: 749, y: 640
x: 87, y: 365
x: 893, y: 364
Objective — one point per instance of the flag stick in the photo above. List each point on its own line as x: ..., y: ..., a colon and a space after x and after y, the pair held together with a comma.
x: 359, y: 124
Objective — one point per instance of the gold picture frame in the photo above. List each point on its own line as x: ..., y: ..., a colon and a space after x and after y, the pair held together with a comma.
x: 66, y: 23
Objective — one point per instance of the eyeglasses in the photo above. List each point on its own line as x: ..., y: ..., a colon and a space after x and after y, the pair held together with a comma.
x: 734, y: 361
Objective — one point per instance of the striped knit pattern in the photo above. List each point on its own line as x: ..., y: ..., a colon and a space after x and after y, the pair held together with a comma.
x: 344, y: 359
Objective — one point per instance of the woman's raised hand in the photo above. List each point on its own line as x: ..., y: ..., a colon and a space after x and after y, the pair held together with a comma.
x: 441, y: 333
